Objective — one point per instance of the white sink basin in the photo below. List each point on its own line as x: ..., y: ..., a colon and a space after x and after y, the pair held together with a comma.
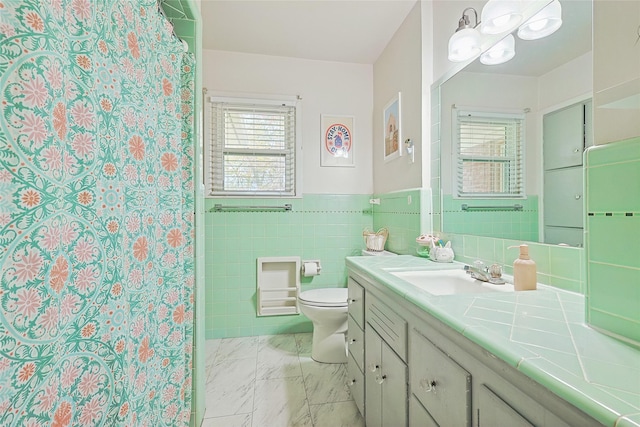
x: 448, y: 282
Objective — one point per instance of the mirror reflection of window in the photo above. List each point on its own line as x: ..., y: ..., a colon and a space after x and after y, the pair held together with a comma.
x: 489, y: 152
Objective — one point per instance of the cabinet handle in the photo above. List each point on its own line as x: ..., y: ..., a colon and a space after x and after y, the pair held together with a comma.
x: 578, y: 196
x: 352, y: 300
x: 577, y: 150
x: 428, y: 386
x: 351, y: 341
x: 373, y: 367
x: 380, y: 379
x: 350, y: 383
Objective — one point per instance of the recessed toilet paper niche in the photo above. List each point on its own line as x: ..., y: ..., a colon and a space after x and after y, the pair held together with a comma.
x: 278, y: 284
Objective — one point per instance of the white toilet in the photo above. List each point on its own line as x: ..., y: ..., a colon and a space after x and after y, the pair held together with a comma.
x: 327, y: 309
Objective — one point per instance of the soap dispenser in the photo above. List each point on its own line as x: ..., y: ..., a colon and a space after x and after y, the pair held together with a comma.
x: 524, y: 271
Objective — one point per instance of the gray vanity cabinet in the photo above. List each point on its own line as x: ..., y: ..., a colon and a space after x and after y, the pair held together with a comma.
x: 386, y: 369
x: 385, y: 384
x: 493, y: 411
x: 439, y: 383
x: 355, y: 343
x: 418, y: 415
x: 416, y: 371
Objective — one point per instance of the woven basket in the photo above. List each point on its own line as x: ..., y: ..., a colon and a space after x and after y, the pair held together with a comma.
x: 375, y: 241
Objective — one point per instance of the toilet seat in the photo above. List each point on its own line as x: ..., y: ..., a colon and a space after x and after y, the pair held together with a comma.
x: 326, y: 297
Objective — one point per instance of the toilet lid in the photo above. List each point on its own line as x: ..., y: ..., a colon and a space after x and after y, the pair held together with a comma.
x: 326, y: 297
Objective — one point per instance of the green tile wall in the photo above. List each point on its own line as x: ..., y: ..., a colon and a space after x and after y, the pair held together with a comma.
x: 558, y: 266
x: 521, y: 225
x: 325, y: 227
x: 613, y: 238
x: 400, y: 213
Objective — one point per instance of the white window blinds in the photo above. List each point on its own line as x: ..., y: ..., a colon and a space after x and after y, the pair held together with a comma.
x: 489, y: 154
x: 253, y: 147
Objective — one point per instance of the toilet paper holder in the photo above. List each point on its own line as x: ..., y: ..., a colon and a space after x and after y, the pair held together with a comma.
x: 308, y: 269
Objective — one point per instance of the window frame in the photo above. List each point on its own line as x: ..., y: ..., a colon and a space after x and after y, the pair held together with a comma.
x: 486, y: 116
x: 209, y: 149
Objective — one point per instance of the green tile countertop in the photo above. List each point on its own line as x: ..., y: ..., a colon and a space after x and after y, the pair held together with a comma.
x: 541, y: 333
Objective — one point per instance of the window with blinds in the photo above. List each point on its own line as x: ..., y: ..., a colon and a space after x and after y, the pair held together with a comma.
x: 489, y: 154
x: 253, y: 148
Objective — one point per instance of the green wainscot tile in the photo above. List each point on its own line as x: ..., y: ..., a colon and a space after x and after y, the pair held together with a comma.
x: 566, y: 262
x: 566, y: 284
x: 540, y: 254
x: 614, y: 187
x: 610, y: 323
x: 616, y: 152
x: 615, y: 239
x: 615, y: 290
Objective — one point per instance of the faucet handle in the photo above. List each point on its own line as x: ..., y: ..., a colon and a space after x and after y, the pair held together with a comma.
x: 495, y: 271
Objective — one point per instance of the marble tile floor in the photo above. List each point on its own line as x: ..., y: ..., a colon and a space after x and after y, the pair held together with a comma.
x: 272, y: 381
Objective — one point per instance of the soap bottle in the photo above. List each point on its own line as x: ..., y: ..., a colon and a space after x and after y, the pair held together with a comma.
x: 524, y: 271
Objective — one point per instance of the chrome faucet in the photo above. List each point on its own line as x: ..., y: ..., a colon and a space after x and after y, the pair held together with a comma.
x: 491, y: 274
x: 478, y: 273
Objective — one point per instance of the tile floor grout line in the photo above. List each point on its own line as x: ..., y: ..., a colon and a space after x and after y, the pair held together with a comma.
x: 304, y: 384
x: 255, y: 380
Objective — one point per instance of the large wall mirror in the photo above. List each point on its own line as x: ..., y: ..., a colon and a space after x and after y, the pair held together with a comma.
x: 543, y: 94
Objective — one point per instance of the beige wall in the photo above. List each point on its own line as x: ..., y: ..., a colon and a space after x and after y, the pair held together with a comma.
x: 399, y: 69
x: 326, y: 88
x: 616, y: 74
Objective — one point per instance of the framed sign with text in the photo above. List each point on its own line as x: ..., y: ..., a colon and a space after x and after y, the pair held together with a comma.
x: 337, y: 140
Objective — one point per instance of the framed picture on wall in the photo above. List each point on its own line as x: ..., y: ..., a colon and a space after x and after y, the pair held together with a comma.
x: 392, y: 130
x: 337, y: 140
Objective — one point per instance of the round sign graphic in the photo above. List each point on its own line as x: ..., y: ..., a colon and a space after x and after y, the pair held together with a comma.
x: 337, y: 140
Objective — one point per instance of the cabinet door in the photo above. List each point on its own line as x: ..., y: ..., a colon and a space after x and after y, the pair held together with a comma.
x: 418, y: 416
x: 372, y: 374
x: 563, y: 137
x: 439, y: 383
x: 493, y: 411
x: 563, y: 201
x: 394, y: 389
x: 568, y: 236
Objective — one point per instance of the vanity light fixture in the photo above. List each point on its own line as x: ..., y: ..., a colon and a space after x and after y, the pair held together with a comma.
x: 543, y: 23
x: 465, y: 42
x: 499, y: 16
x: 501, y: 52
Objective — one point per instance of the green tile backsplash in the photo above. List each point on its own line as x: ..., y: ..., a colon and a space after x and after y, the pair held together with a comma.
x: 400, y: 213
x: 325, y: 227
x: 503, y: 224
x: 329, y: 228
x: 557, y: 266
x: 613, y: 238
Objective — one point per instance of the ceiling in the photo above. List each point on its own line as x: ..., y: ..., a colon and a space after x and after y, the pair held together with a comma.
x: 358, y: 30
x: 354, y: 31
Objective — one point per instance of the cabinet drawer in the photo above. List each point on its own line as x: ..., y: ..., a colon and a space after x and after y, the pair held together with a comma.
x: 356, y: 383
x: 356, y: 302
x: 439, y: 383
x: 391, y: 327
x: 355, y: 342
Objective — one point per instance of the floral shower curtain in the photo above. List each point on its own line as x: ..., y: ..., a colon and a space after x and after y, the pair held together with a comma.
x: 96, y: 215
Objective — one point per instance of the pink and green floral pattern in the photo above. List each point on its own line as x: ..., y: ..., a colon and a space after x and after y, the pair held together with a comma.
x: 96, y: 215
